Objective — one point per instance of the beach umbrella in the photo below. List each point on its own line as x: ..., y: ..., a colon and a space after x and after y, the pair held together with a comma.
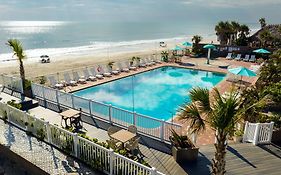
x: 186, y: 44
x: 242, y: 71
x: 262, y: 51
x: 209, y: 47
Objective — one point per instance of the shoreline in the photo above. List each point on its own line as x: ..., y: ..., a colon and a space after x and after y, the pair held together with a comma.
x: 34, y: 68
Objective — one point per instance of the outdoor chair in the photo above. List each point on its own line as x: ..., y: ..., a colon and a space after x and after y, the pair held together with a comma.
x: 156, y: 60
x: 150, y: 61
x: 88, y: 76
x: 247, y: 57
x: 114, y: 144
x: 132, y: 146
x: 68, y: 80
x: 111, y: 130
x: 132, y: 129
x: 131, y: 67
x: 102, y: 71
x: 123, y: 69
x: 78, y: 78
x: 114, y: 72
x: 238, y: 57
x: 253, y: 58
x: 54, y: 83
x: 229, y: 56
x: 142, y: 63
x: 94, y: 73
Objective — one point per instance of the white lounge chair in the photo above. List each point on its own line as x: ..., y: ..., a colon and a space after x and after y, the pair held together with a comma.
x: 229, y: 56
x: 142, y: 63
x: 94, y: 73
x: 253, y: 58
x: 156, y: 60
x: 105, y: 73
x: 247, y: 57
x: 131, y: 67
x: 123, y: 69
x: 54, y: 83
x: 88, y: 76
x: 114, y: 72
x: 79, y: 79
x: 150, y: 61
x: 68, y: 80
x: 238, y: 57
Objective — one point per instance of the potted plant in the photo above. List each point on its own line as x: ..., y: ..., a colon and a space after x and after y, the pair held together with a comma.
x: 182, y: 148
x: 238, y: 136
x: 110, y: 64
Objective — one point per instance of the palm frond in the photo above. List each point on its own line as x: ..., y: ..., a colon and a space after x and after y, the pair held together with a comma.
x: 191, y: 114
x: 17, y: 48
x: 202, y: 98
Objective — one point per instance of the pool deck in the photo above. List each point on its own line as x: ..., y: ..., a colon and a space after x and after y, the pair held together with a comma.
x: 241, y: 158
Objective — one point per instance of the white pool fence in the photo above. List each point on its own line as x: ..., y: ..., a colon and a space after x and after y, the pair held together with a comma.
x: 12, y: 83
x: 91, y: 153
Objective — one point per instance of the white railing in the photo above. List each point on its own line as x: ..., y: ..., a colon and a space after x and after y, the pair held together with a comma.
x: 258, y: 133
x: 91, y: 153
x: 146, y: 125
x: 12, y: 83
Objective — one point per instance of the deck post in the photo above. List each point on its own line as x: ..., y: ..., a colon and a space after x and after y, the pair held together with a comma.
x: 245, y: 132
x: 153, y: 171
x: 47, y: 125
x: 135, y: 118
x: 111, y: 161
x: 256, y: 136
x: 110, y: 113
x: 75, y: 142
x: 90, y: 110
x: 162, y: 130
x: 57, y: 98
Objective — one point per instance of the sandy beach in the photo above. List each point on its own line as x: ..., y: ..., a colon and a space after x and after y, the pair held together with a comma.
x: 33, y: 68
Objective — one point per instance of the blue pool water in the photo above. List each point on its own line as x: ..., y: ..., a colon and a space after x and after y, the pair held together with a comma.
x: 157, y: 93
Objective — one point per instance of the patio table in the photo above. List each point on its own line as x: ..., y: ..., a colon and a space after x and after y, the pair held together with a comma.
x: 73, y: 115
x: 123, y: 136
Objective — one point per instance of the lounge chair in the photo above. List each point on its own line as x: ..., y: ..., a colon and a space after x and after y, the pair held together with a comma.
x: 105, y: 73
x: 123, y: 69
x: 79, y: 79
x: 156, y: 60
x: 238, y: 57
x: 54, y: 83
x: 88, y: 76
x: 253, y: 58
x: 114, y: 72
x: 68, y: 80
x: 247, y: 57
x: 229, y: 56
x: 94, y: 73
x: 131, y: 67
x: 142, y: 63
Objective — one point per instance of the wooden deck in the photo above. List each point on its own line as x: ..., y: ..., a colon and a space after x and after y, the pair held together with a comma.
x: 241, y: 159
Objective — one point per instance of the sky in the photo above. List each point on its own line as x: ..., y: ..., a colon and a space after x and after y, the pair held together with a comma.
x: 246, y: 11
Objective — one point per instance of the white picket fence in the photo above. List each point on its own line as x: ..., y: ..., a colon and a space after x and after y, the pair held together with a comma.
x: 12, y: 83
x: 91, y: 153
x: 258, y: 133
x: 146, y: 125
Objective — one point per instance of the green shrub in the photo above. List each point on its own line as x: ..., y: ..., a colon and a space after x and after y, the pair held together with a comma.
x: 14, y: 104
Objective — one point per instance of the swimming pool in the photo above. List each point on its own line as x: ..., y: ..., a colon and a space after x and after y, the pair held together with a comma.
x: 157, y: 93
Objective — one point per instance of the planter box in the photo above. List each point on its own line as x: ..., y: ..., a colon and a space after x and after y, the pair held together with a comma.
x: 185, y: 154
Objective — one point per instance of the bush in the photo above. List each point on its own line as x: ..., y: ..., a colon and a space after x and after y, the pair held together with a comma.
x: 14, y: 104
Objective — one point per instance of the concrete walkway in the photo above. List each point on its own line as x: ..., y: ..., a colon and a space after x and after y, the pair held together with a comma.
x: 44, y: 156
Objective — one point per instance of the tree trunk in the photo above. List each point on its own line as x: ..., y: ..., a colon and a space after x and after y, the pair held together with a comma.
x: 218, y: 165
x: 22, y: 74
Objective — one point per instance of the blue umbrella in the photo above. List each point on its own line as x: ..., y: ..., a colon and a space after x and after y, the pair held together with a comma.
x: 261, y: 51
x: 243, y: 71
x: 209, y: 47
x: 187, y: 44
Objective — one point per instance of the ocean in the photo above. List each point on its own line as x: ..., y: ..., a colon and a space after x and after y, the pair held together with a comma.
x: 56, y: 38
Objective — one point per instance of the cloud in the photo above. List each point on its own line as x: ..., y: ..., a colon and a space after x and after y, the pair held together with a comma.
x: 230, y: 3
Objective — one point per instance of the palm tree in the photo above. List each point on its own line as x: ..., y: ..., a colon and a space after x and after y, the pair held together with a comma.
x: 221, y: 113
x: 196, y: 40
x: 17, y: 48
x: 262, y: 22
x: 235, y: 28
x: 224, y: 32
x: 265, y: 36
